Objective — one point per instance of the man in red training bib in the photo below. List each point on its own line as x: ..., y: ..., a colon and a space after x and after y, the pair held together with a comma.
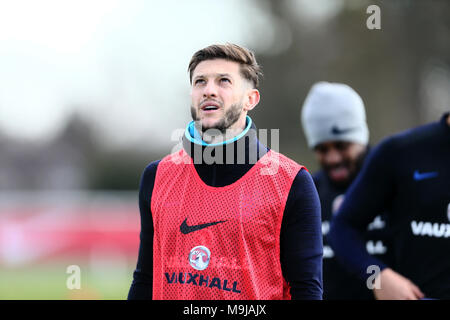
x: 227, y: 218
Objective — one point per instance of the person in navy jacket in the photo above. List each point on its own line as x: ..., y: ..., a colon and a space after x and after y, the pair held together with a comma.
x: 408, y: 176
x: 334, y: 121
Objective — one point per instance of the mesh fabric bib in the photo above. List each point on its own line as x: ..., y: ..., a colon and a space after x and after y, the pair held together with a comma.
x: 219, y: 243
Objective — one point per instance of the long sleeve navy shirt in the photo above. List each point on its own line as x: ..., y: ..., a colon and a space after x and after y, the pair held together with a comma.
x: 407, y: 176
x: 338, y: 283
x: 301, y: 237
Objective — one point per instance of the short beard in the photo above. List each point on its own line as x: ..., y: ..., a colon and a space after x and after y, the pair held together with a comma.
x: 230, y: 117
x: 359, y: 161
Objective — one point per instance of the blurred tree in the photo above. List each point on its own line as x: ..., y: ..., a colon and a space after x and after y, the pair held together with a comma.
x: 386, y: 67
x: 118, y: 170
x: 390, y: 68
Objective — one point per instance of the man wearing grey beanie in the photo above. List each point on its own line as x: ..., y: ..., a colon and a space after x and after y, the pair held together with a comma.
x: 334, y: 121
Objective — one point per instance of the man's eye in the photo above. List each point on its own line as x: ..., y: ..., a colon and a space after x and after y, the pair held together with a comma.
x: 199, y: 81
x: 225, y: 80
x: 321, y: 149
x: 341, y: 146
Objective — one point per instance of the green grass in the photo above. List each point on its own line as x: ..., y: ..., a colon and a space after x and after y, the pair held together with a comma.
x: 48, y: 281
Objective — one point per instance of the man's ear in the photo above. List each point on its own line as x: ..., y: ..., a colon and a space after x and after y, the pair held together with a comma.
x: 252, y: 99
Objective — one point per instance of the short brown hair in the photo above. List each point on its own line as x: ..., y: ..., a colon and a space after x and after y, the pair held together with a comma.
x: 249, y: 68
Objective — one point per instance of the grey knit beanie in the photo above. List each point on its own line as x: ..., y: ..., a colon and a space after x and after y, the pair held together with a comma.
x: 334, y: 111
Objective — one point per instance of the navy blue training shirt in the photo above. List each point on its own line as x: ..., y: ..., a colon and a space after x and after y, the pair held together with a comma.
x: 339, y: 283
x: 408, y: 176
x: 301, y: 237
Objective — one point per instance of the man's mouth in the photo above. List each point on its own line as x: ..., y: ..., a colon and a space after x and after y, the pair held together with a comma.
x: 339, y: 174
x: 209, y: 106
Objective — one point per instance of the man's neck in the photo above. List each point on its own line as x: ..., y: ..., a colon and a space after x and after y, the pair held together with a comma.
x: 217, y: 137
x: 243, y: 148
x: 448, y: 120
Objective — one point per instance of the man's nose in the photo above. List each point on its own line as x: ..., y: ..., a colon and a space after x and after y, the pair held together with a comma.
x: 333, y: 157
x: 210, y: 90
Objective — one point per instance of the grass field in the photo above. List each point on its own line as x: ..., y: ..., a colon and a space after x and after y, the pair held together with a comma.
x: 48, y: 281
x: 42, y: 233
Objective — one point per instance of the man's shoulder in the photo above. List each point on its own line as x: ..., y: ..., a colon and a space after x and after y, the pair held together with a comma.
x: 148, y: 177
x: 285, y: 160
x: 276, y: 164
x: 409, y: 138
x: 319, y: 177
x: 151, y: 167
x: 174, y: 158
x: 177, y: 157
x: 323, y: 184
x: 166, y: 163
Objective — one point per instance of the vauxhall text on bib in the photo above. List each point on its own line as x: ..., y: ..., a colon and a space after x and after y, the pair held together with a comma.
x: 219, y: 243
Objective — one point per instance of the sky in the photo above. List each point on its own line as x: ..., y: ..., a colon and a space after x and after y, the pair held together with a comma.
x: 122, y: 64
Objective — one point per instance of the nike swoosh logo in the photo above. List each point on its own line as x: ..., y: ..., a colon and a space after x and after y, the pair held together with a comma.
x: 185, y: 229
x: 424, y: 175
x: 336, y: 130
